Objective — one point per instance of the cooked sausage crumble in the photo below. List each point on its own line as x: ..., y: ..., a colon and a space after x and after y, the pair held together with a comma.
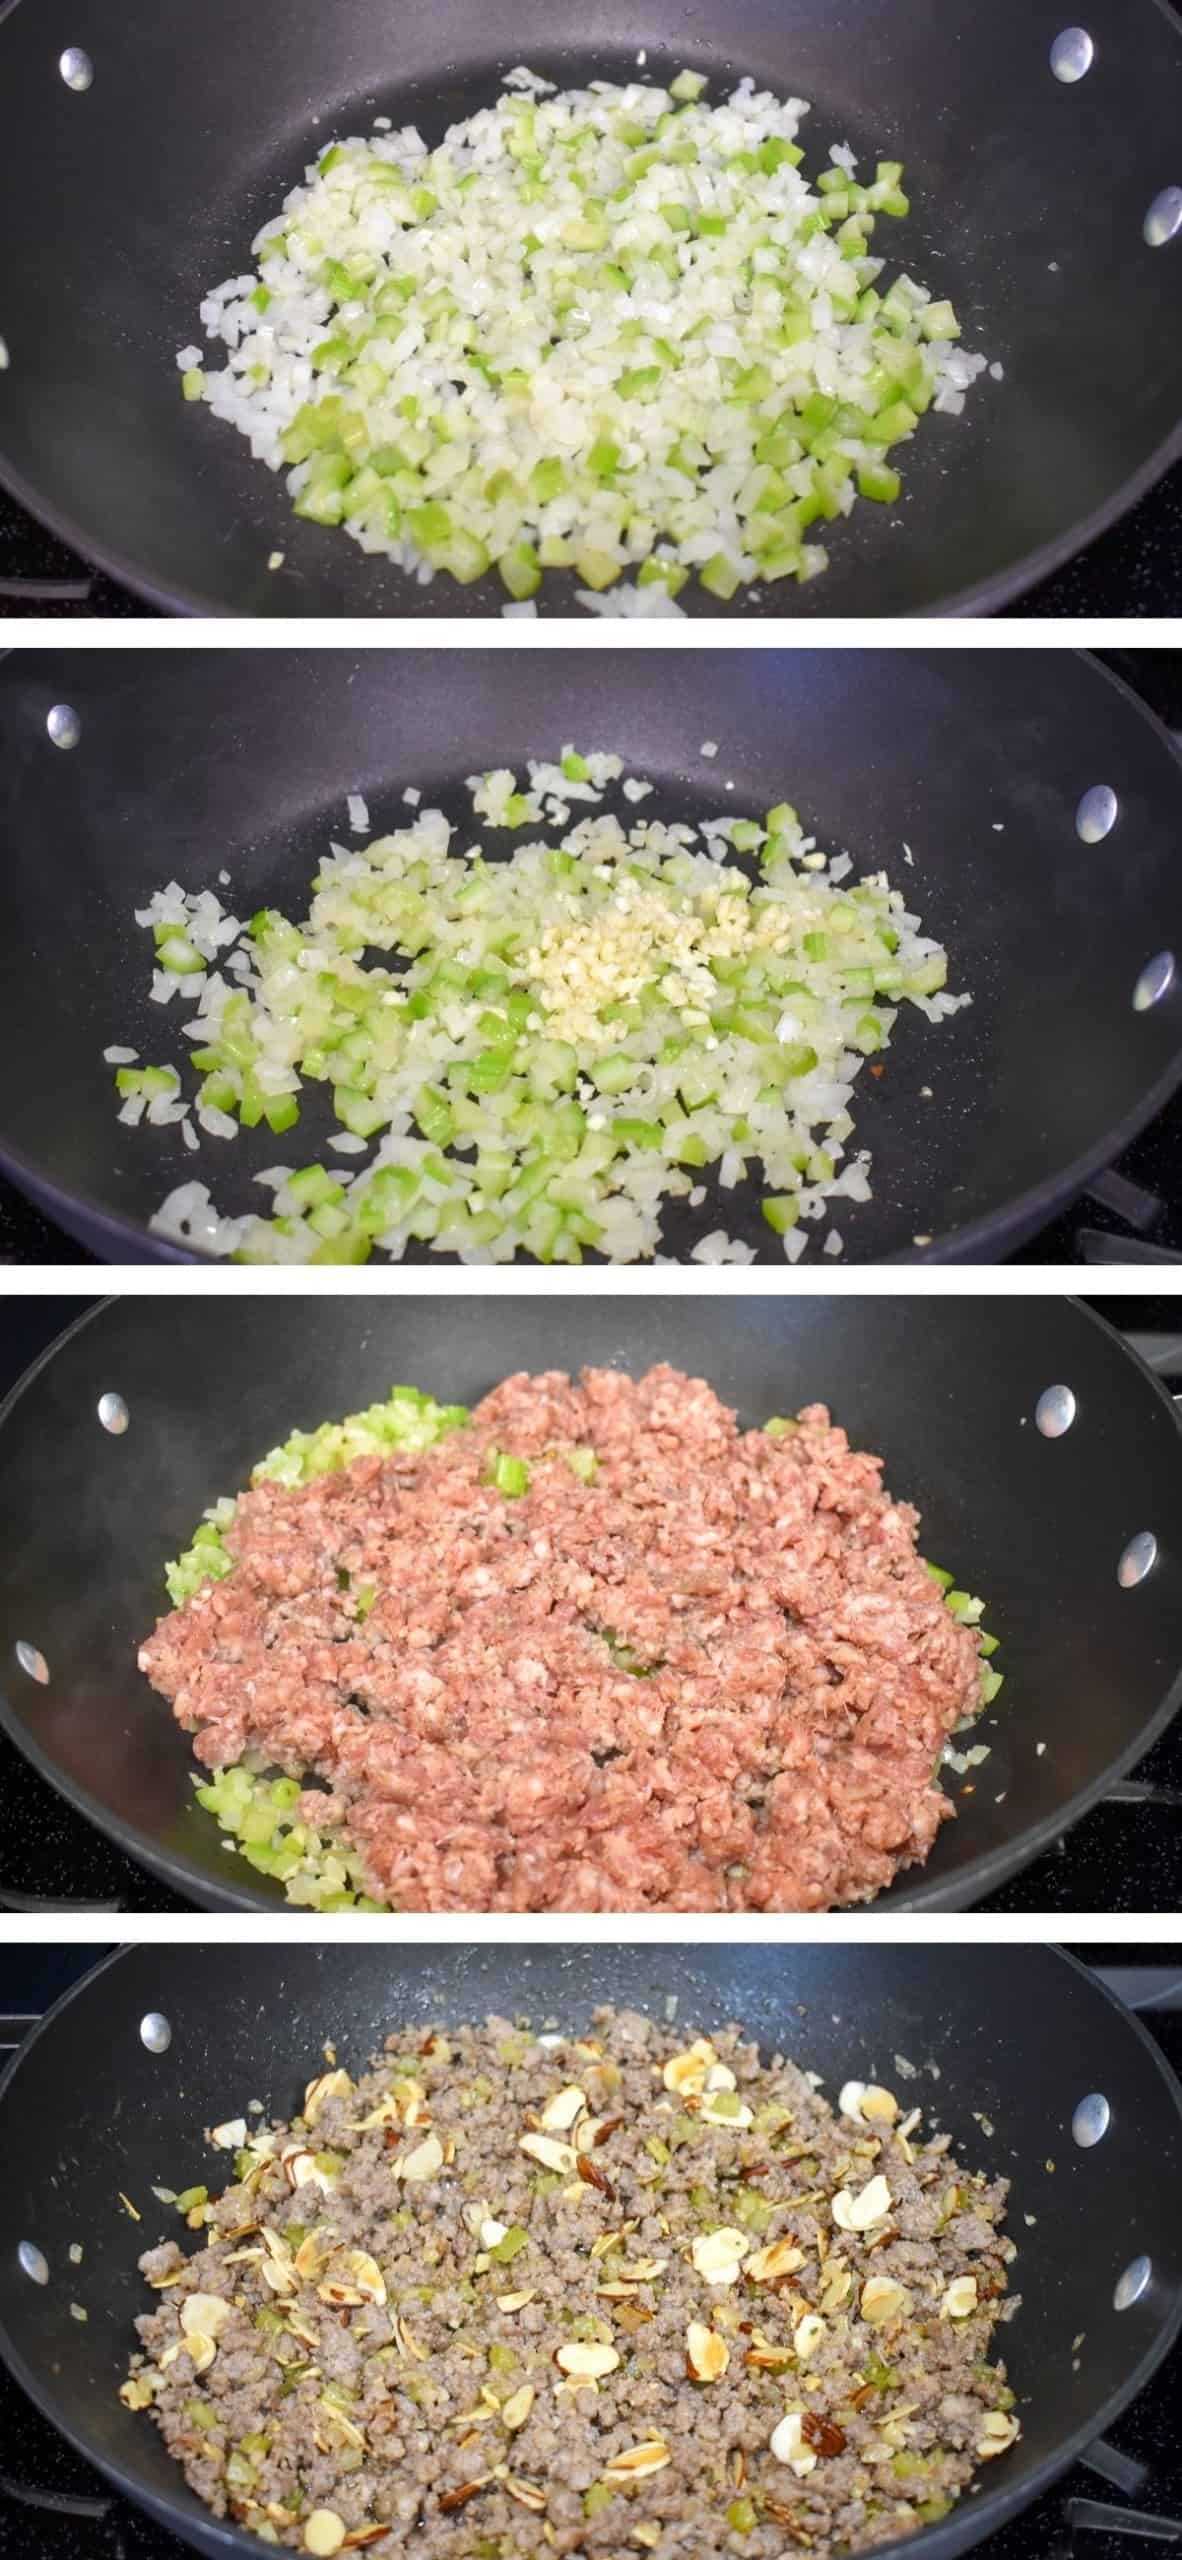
x: 510, y: 2291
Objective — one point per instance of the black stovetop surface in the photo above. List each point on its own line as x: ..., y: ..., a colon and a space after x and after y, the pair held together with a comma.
x: 1133, y: 1213
x: 54, y: 2506
x: 1126, y: 1855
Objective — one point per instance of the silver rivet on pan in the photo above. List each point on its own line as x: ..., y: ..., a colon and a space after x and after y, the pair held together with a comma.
x: 76, y: 67
x: 155, y: 2032
x: 1055, y: 1412
x: 1097, y: 814
x: 33, y: 2262
x: 33, y: 1662
x: 1134, y: 2282
x: 1163, y: 222
x: 1139, y: 1558
x: 1091, y: 2120
x: 1072, y: 54
x: 64, y: 725
x: 1155, y: 981
x: 113, y: 1414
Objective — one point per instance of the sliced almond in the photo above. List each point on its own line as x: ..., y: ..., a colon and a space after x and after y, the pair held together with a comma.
x: 329, y: 2084
x: 787, y: 2445
x: 586, y: 2362
x: 516, y: 2301
x: 764, y: 2356
x: 204, y: 2314
x: 706, y: 2354
x: 491, y: 2231
x: 837, y: 2287
x: 313, y: 2255
x: 780, y: 2258
x: 200, y: 2350
x: 230, y: 2137
x: 647, y: 2535
x: 882, y: 2301
x: 559, y: 2156
x: 718, y: 2255
x: 515, y: 2410
x: 300, y: 2169
x: 406, y: 2344
x: 807, y: 2335
x: 960, y: 2298
x: 324, y: 2533
x: 560, y: 2111
x: 278, y: 2276
x: 637, y: 2461
x: 526, y: 2493
x: 459, y: 2496
x: 136, y: 2392
x: 998, y: 2432
x: 685, y: 2073
x: 363, y: 2534
x: 425, y: 2161
x: 878, y: 2105
x: 641, y: 2270
x: 860, y: 2213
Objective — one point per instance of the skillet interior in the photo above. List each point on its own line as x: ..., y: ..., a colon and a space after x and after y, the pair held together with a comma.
x: 86, y: 2111
x: 945, y: 1393
x: 976, y: 760
x: 1029, y: 198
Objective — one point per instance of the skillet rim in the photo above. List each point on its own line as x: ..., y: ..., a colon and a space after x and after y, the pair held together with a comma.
x: 983, y: 1875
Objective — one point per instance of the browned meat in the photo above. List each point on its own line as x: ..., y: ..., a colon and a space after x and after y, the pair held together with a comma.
x: 354, y: 2350
x: 717, y: 1677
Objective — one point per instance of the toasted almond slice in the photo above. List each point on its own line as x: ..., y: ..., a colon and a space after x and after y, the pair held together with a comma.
x: 516, y: 2301
x: 278, y: 2276
x: 515, y: 2410
x: 459, y: 2496
x: 647, y: 2535
x: 525, y: 2492
x: 882, y: 2301
x: 300, y: 2170
x: 136, y: 2392
x: 878, y: 2105
x: 200, y: 2350
x: 780, y: 2258
x: 718, y: 2255
x: 406, y: 2344
x: 685, y: 2073
x: 642, y: 2270
x: 230, y: 2137
x: 787, y: 2445
x: 960, y: 2298
x: 161, y: 2284
x: 764, y: 2356
x: 313, y: 2254
x: 637, y: 2461
x: 425, y: 2161
x: 168, y: 2356
x: 204, y: 2314
x: 587, y: 2362
x: 387, y: 2111
x: 860, y: 2213
x: 559, y: 2156
x: 560, y: 2111
x: 807, y: 2335
x: 330, y: 2084
x: 837, y: 2287
x: 324, y: 2533
x: 706, y: 2354
x: 365, y: 2273
x: 998, y: 2432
